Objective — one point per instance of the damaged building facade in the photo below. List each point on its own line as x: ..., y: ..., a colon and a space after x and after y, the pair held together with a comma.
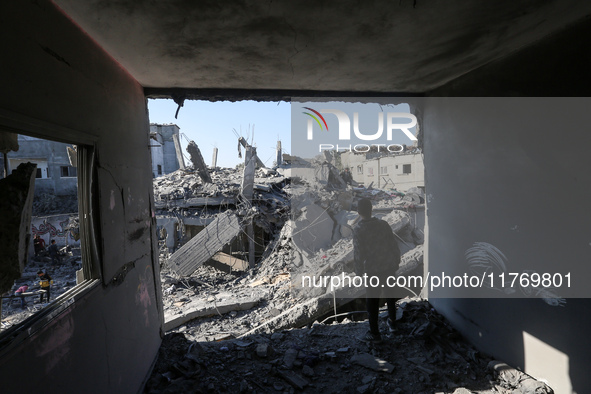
x: 165, y: 149
x: 55, y: 172
x: 399, y: 171
x: 77, y: 72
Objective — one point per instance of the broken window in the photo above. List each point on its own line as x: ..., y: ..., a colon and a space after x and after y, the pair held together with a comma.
x: 159, y: 169
x: 406, y: 168
x: 68, y: 171
x: 50, y: 255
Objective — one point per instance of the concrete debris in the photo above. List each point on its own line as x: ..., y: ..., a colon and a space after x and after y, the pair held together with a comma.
x: 259, y: 163
x: 178, y: 150
x: 516, y: 381
x: 226, y: 262
x: 198, y: 161
x: 204, y: 245
x: 312, y: 230
x: 221, y: 304
x: 368, y: 361
x: 260, y: 362
x: 17, y: 191
x: 302, y: 225
x: 72, y: 155
x: 64, y: 276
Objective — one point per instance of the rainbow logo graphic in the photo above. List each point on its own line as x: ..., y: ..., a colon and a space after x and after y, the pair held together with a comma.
x: 315, y: 118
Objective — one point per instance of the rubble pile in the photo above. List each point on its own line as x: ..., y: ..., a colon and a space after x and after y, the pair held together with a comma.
x: 63, y: 276
x: 234, y: 327
x: 424, y: 355
x: 309, y: 220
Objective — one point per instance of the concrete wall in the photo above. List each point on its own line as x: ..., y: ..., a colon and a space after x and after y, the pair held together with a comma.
x: 500, y: 183
x: 54, y: 227
x: 167, y: 131
x: 63, y: 86
x: 54, y: 155
x: 393, y: 178
x: 157, y: 155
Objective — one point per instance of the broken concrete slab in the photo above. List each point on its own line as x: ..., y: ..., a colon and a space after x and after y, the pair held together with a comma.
x: 372, y: 362
x: 17, y: 191
x: 294, y: 379
x: 178, y: 151
x: 308, y: 311
x: 205, y: 244
x: 203, y: 308
x: 313, y: 230
x: 195, y: 202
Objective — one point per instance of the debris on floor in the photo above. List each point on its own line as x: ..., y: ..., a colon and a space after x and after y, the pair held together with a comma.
x: 235, y: 327
x: 424, y: 355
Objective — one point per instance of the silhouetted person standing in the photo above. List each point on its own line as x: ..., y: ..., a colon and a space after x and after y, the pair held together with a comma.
x: 376, y: 254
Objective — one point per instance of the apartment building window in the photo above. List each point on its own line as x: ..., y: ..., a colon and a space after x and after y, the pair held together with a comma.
x: 406, y: 168
x: 68, y: 171
x: 360, y: 169
x: 384, y: 170
x: 370, y: 171
x: 159, y: 169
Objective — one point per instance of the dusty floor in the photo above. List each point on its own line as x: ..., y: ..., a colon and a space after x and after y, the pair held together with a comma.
x: 216, y: 354
x: 423, y: 355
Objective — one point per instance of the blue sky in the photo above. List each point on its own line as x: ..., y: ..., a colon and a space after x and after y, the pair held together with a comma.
x: 210, y: 125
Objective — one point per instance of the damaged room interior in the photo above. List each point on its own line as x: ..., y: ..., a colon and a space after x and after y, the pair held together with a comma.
x: 138, y: 256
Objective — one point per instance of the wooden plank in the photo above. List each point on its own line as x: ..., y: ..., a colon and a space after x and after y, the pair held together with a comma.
x: 204, y: 245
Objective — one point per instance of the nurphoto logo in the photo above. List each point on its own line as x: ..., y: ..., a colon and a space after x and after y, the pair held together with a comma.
x: 391, y: 124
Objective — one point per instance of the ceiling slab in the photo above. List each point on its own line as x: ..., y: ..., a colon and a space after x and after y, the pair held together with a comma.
x: 366, y: 46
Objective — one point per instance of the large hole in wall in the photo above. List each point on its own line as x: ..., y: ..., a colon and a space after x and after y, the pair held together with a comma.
x: 187, y: 203
x: 48, y: 253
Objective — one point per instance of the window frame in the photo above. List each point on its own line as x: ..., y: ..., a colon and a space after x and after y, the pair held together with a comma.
x: 88, y: 208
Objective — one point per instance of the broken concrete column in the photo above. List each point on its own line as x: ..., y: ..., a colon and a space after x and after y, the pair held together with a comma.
x: 16, y: 205
x: 179, y: 151
x: 198, y: 162
x: 247, y: 191
x: 259, y: 163
x: 278, y: 156
x: 214, y: 160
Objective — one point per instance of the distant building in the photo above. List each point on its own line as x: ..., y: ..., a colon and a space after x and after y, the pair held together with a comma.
x: 55, y: 175
x: 165, y: 149
x: 388, y: 171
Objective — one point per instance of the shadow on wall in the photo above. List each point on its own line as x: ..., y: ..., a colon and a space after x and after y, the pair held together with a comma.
x: 549, y: 344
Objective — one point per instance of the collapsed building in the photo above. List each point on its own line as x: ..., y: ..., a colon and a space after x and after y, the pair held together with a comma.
x: 80, y: 72
x: 307, y: 215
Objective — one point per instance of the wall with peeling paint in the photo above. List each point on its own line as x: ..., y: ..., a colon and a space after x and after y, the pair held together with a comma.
x: 505, y: 185
x: 63, y: 86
